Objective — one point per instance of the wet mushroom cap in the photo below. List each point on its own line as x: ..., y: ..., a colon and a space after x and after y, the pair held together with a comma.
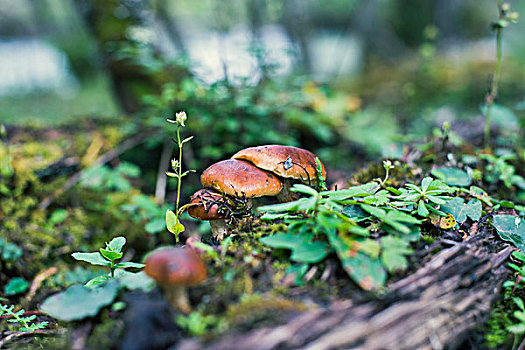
x: 204, y: 205
x: 239, y: 178
x: 176, y: 267
x: 285, y: 161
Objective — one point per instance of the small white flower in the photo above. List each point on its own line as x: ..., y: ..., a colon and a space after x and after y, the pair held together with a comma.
x: 174, y: 164
x: 180, y: 118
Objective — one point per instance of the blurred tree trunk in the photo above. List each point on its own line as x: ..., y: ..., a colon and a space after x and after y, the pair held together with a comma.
x: 164, y: 16
x: 294, y: 19
x: 123, y: 31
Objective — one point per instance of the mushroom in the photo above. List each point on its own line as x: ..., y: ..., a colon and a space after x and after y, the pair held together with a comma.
x: 209, y: 205
x: 240, y: 179
x: 289, y: 162
x: 174, y: 269
x: 238, y: 182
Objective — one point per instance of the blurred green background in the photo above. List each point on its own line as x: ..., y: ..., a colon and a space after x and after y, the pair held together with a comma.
x: 344, y: 78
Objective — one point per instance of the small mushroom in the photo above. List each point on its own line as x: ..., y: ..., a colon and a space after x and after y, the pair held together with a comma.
x: 238, y: 182
x: 209, y: 205
x: 174, y: 269
x: 289, y: 162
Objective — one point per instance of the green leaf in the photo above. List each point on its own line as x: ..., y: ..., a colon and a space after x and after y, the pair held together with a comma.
x: 155, y: 225
x: 355, y: 213
x: 504, y: 117
x: 453, y: 176
x: 128, y: 169
x: 425, y: 183
x: 517, y: 328
x: 172, y: 223
x: 422, y: 208
x: 356, y: 191
x: 304, y: 189
x: 78, y: 302
x: 393, y: 254
x: 187, y: 139
x: 303, y: 249
x: 459, y: 210
x: 58, y: 216
x: 110, y: 255
x: 366, y: 271
x: 92, y: 258
x: 127, y: 264
x: 16, y: 285
x: 137, y: 280
x: 116, y: 244
x: 96, y: 281
x: 510, y: 228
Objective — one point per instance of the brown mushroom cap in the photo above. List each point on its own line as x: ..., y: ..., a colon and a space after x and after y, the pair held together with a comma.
x: 176, y: 267
x: 285, y: 161
x: 204, y: 205
x: 239, y: 178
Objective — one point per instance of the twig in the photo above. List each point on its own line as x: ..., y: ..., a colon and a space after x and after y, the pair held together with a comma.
x: 44, y: 332
x: 37, y: 282
x: 162, y: 178
x: 106, y: 157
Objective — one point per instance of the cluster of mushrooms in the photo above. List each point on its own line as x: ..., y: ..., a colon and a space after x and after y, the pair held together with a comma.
x: 229, y: 187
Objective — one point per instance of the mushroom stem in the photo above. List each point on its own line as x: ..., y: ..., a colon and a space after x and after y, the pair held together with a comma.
x: 178, y: 298
x: 219, y: 228
x: 286, y: 195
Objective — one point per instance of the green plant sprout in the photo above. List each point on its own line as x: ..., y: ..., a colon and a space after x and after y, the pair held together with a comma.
x: 425, y: 197
x: 26, y: 324
x: 106, y: 257
x: 172, y: 218
x: 387, y: 164
x: 505, y: 18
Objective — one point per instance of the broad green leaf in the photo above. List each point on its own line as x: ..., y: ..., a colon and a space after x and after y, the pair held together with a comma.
x: 368, y: 246
x: 117, y: 243
x: 355, y: 213
x: 78, y: 302
x: 16, y: 285
x: 510, y: 228
x: 92, y: 258
x: 137, y: 280
x: 504, y: 117
x: 156, y: 225
x: 379, y: 198
x: 303, y: 250
x: 366, y: 271
x: 310, y: 252
x: 457, y: 208
x: 393, y: 254
x: 453, y: 176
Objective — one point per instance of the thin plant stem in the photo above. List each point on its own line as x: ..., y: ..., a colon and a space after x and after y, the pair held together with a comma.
x: 493, y: 93
x: 179, y: 171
